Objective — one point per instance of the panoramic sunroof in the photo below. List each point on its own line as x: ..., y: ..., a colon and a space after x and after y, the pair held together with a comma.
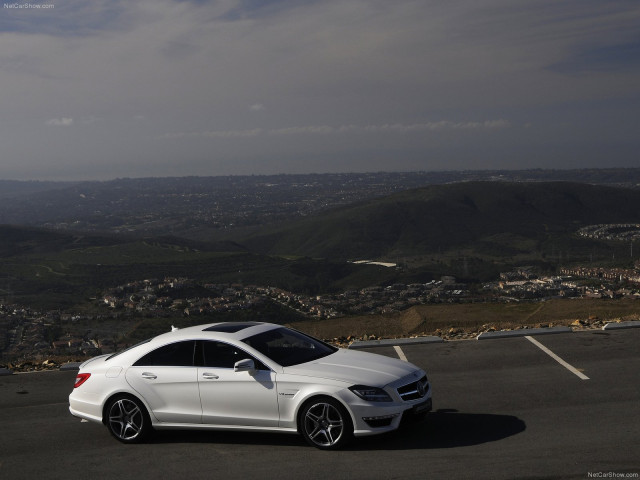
x: 230, y: 327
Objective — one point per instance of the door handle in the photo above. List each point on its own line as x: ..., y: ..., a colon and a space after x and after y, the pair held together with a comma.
x: 149, y: 376
x: 210, y: 376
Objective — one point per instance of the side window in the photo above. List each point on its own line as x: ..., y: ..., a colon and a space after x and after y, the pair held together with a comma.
x: 223, y: 355
x: 179, y: 354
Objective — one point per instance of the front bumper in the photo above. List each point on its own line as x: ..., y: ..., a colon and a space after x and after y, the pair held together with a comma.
x: 373, y: 420
x: 416, y: 412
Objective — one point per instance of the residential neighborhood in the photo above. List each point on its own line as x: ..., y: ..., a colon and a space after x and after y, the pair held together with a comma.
x: 41, y: 334
x: 611, y: 231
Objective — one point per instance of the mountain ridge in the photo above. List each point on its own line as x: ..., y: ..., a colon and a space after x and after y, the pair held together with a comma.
x: 441, y: 217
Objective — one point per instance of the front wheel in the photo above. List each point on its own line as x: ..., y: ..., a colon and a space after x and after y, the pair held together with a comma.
x: 128, y: 420
x: 325, y: 424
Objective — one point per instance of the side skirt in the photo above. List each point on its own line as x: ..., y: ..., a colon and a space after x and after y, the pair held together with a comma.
x: 206, y: 426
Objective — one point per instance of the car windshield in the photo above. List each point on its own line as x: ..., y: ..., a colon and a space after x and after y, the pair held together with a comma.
x: 289, y: 347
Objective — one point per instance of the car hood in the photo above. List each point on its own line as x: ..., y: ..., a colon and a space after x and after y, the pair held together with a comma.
x: 356, y: 368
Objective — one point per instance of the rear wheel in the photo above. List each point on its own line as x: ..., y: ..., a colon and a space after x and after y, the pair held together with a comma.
x: 127, y: 420
x: 325, y: 424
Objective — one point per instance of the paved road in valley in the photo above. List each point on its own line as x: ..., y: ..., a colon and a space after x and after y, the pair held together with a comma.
x: 504, y: 409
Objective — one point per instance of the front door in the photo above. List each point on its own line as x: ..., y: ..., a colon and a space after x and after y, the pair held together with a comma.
x: 235, y: 398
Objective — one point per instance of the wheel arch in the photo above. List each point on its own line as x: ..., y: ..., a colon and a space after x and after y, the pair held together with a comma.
x: 123, y: 394
x: 317, y: 396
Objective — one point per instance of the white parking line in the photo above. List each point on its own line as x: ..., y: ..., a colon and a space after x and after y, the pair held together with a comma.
x: 566, y: 365
x: 400, y: 353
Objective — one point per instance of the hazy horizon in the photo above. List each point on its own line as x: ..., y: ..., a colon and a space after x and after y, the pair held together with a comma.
x: 460, y: 173
x: 110, y: 89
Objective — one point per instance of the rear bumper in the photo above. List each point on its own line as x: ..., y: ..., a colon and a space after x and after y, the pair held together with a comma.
x: 87, y: 410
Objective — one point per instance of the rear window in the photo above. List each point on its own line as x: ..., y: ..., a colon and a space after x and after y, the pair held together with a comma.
x: 179, y: 354
x: 129, y: 348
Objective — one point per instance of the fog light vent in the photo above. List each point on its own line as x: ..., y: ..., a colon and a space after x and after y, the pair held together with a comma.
x: 377, y: 422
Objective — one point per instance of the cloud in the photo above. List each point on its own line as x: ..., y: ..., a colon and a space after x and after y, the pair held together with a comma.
x: 89, y: 119
x: 310, y: 130
x: 233, y: 133
x: 60, y: 122
x: 346, y: 129
x: 601, y: 58
x: 69, y: 18
x: 435, y: 126
x: 257, y: 81
x: 215, y: 134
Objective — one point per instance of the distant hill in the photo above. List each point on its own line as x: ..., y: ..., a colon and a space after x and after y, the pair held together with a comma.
x: 19, y: 240
x: 202, y: 208
x: 49, y: 269
x: 493, y: 217
x: 15, y: 188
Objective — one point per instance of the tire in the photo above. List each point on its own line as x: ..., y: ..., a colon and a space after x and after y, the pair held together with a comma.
x: 127, y: 419
x: 325, y: 424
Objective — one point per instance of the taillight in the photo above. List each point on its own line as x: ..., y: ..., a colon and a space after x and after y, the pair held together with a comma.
x: 81, y: 378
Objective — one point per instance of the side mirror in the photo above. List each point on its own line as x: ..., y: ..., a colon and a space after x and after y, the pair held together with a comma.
x: 245, y: 365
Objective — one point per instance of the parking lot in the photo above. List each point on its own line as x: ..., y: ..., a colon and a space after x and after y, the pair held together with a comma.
x: 504, y: 408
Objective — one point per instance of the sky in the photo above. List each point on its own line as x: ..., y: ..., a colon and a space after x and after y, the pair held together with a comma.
x: 103, y: 89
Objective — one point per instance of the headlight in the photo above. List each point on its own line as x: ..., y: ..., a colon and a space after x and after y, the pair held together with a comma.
x: 371, y: 394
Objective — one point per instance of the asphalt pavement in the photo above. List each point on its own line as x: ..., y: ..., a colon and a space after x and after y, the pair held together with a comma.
x: 503, y: 409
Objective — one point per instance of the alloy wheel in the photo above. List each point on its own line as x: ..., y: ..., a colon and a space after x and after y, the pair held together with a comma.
x: 325, y: 425
x: 126, y: 420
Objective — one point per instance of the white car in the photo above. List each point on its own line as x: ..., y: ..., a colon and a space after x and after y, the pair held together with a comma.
x: 248, y: 376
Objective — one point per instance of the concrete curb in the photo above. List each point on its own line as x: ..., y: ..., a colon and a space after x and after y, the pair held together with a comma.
x: 390, y: 342
x: 5, y: 371
x: 620, y: 325
x: 70, y: 366
x: 523, y: 332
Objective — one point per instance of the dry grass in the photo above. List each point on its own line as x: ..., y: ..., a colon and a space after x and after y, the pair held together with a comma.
x: 470, y: 318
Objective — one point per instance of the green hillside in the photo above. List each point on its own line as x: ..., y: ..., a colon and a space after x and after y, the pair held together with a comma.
x: 492, y: 219
x: 470, y: 230
x: 50, y: 269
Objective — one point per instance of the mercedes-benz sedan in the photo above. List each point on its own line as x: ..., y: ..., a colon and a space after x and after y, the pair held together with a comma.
x: 248, y: 376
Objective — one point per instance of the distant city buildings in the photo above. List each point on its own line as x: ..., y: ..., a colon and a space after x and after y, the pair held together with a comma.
x: 612, y: 231
x: 34, y: 333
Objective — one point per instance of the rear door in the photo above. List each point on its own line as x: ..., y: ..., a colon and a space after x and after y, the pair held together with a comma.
x: 168, y: 381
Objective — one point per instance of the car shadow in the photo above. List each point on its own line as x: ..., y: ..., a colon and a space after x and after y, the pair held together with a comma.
x: 439, y: 429
x: 226, y: 437
x: 446, y: 429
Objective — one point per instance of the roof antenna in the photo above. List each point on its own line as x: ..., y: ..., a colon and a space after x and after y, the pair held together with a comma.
x: 173, y: 329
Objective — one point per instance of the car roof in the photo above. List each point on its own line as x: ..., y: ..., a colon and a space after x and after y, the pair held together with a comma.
x: 220, y: 330
x: 234, y: 331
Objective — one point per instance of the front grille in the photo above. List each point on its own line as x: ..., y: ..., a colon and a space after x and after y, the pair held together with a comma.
x: 415, y: 390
